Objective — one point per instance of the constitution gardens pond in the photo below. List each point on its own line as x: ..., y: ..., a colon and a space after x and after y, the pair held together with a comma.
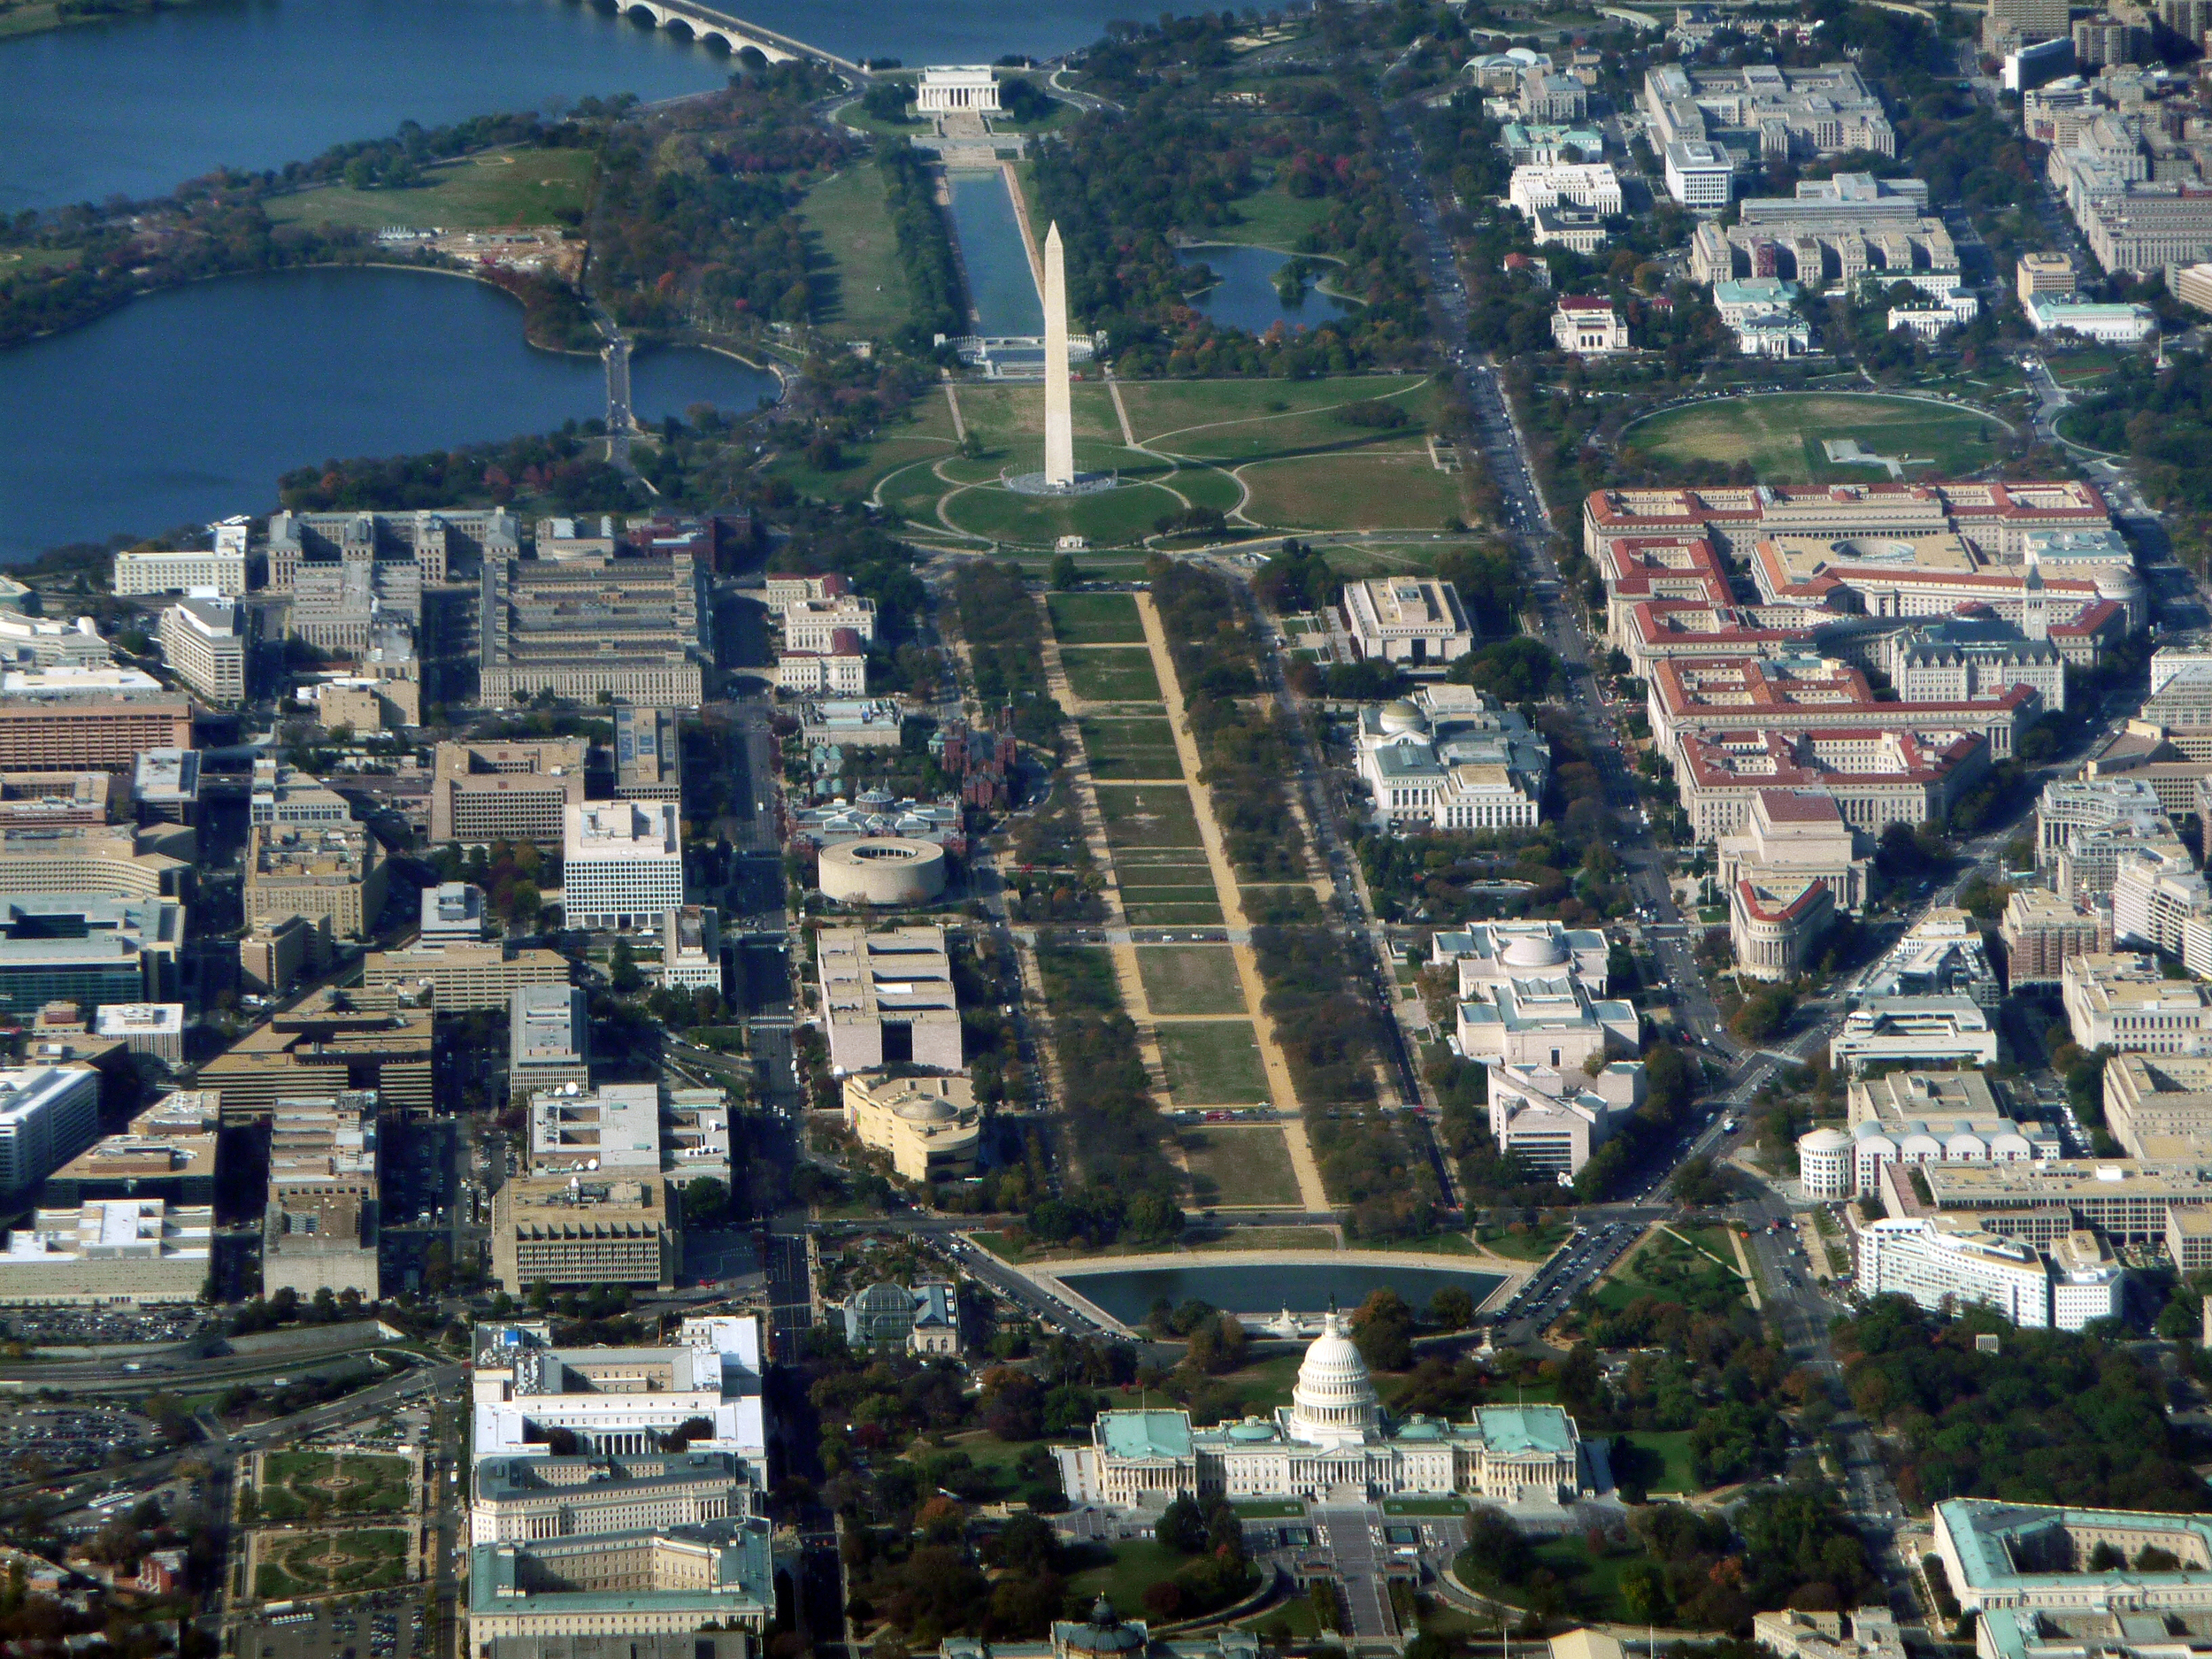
x: 1262, y: 1288
x: 1245, y: 295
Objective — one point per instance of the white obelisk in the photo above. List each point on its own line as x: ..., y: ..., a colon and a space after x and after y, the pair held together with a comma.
x: 1059, y: 419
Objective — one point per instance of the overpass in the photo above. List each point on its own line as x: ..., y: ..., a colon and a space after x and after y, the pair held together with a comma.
x: 707, y: 23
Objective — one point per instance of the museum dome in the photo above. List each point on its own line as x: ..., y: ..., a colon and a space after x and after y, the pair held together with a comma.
x: 1103, y: 1635
x: 929, y: 1108
x: 1536, y: 950
x: 1401, y: 715
x: 1335, y: 1398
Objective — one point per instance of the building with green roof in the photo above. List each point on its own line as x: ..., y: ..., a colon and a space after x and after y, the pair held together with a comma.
x: 612, y: 1584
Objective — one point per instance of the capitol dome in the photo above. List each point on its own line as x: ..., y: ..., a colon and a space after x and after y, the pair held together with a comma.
x: 1536, y: 950
x: 1334, y: 1402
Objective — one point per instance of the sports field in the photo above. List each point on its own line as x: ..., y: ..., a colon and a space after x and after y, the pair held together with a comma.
x: 498, y: 190
x: 1781, y: 437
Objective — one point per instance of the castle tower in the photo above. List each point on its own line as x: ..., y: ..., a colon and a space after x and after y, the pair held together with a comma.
x: 1059, y: 415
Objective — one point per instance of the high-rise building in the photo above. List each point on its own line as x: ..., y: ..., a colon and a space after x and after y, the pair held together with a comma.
x: 48, y: 1115
x: 204, y: 643
x: 40, y: 732
x: 622, y: 864
x: 548, y: 1040
x: 648, y: 757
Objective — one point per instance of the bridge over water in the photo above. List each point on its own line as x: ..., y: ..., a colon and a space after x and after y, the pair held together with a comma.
x: 709, y: 23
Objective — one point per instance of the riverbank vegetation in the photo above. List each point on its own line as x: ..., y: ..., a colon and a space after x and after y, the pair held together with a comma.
x: 34, y: 17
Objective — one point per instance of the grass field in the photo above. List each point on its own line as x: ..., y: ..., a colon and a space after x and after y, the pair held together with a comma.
x: 1662, y: 1460
x: 1111, y: 674
x: 1780, y: 436
x: 860, y: 284
x: 1213, y: 1063
x: 1131, y: 748
x: 1095, y: 618
x: 1189, y: 978
x: 497, y: 190
x: 1242, y: 1165
x: 1314, y: 468
x: 1272, y: 217
x: 1377, y: 489
x: 1148, y: 815
x: 1123, y: 1571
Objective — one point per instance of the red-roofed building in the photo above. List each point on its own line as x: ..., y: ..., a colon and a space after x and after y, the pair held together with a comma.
x: 839, y: 668
x: 1656, y: 628
x: 1875, y: 777
x: 1700, y: 696
x: 1996, y: 518
x: 1775, y: 928
x: 1635, y: 569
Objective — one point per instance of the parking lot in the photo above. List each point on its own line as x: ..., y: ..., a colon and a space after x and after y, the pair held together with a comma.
x: 386, y: 1627
x: 87, y: 1327
x: 1574, y: 1265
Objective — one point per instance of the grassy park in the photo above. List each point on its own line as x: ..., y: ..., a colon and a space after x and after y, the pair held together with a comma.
x: 1311, y: 455
x: 310, y: 1486
x: 860, y: 284
x: 497, y: 190
x: 1095, y: 618
x: 1212, y: 1063
x: 1780, y: 437
x: 324, y: 1563
x: 1131, y: 748
x: 1244, y: 1163
x: 1112, y: 675
x: 1189, y: 978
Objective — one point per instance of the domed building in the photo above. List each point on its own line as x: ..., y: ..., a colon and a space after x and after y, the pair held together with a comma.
x: 1333, y: 1441
x: 1105, y: 1634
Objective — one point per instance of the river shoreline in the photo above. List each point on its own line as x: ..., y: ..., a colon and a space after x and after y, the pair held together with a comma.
x: 26, y: 21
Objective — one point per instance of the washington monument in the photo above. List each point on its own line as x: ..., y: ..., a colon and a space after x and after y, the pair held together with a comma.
x: 1059, y: 420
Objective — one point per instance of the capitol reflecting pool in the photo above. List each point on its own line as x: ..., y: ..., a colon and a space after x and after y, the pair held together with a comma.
x: 1264, y: 1288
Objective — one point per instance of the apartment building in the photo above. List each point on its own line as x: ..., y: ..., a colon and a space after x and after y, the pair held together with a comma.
x: 622, y: 864
x: 2041, y: 931
x: 462, y: 976
x: 221, y: 570
x: 482, y: 792
x: 206, y: 643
